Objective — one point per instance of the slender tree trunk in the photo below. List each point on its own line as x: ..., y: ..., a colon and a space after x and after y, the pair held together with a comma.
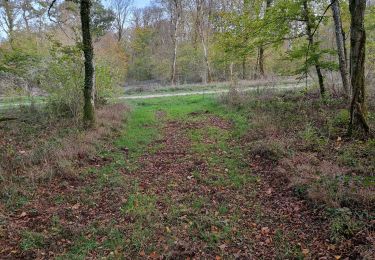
x: 340, y: 41
x: 200, y: 25
x: 175, y: 46
x: 310, y: 38
x: 358, y: 110
x: 243, y: 68
x: 261, y: 62
x: 208, y: 67
x: 89, y: 88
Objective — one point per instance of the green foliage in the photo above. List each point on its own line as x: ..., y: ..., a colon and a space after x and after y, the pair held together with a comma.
x: 63, y: 80
x: 24, y: 58
x: 101, y: 19
x: 310, y: 56
x: 141, y: 67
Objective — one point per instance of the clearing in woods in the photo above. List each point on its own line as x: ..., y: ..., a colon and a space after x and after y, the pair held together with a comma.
x: 178, y: 183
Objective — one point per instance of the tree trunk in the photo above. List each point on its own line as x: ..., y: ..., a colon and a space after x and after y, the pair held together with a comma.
x: 175, y: 46
x: 340, y: 41
x: 358, y: 112
x: 200, y: 24
x: 310, y: 38
x: 208, y: 68
x: 9, y: 20
x: 243, y: 68
x: 261, y: 62
x: 89, y: 88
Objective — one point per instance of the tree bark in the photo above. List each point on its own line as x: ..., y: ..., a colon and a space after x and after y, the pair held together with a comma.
x: 174, y: 61
x: 8, y: 19
x: 89, y: 88
x: 175, y: 18
x: 310, y: 38
x: 340, y: 41
x: 358, y: 112
x: 200, y: 24
x: 261, y: 62
x: 243, y: 68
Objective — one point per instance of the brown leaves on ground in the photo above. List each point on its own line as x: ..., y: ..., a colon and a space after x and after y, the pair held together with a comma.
x: 185, y: 202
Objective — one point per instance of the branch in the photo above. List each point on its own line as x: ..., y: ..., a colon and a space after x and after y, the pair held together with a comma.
x: 49, y: 9
x: 322, y: 17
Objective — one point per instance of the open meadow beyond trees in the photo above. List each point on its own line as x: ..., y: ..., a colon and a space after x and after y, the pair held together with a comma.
x: 187, y: 129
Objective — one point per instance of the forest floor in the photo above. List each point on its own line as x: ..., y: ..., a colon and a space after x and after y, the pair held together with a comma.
x: 201, y: 178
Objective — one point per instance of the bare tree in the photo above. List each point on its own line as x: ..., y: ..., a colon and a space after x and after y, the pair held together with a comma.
x: 9, y: 13
x: 121, y: 8
x: 358, y: 109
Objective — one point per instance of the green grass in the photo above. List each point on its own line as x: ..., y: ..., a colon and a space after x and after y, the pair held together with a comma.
x: 201, y: 207
x: 32, y: 240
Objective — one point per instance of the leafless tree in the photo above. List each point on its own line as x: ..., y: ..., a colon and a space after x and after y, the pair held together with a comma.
x: 122, y: 9
x: 8, y: 15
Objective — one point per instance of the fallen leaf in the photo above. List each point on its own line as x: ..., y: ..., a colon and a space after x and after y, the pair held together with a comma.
x: 337, y: 257
x: 223, y: 246
x: 154, y: 255
x: 218, y: 257
x: 265, y: 230
x: 23, y: 214
x: 76, y: 206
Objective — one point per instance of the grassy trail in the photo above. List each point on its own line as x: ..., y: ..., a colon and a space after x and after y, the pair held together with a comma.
x: 183, y: 188
x: 178, y: 183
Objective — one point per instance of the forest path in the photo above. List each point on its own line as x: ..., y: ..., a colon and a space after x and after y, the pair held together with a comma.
x: 8, y: 102
x: 211, y: 201
x: 178, y: 183
x: 212, y: 92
